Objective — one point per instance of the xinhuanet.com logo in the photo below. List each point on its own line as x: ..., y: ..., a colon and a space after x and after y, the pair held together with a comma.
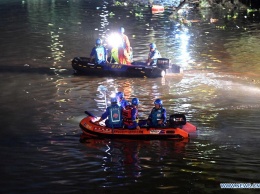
x: 240, y: 185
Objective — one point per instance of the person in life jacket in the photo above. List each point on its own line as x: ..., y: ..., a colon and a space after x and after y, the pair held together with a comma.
x: 99, y: 53
x: 124, y: 50
x: 130, y: 113
x: 157, y: 117
x: 121, y: 99
x: 153, y: 55
x: 114, y: 56
x: 114, y: 114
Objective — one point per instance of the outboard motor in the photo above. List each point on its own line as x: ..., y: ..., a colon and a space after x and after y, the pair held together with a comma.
x: 163, y: 63
x: 177, y: 120
x: 75, y: 61
x: 80, y: 60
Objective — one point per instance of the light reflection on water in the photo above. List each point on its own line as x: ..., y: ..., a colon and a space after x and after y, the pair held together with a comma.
x: 41, y: 107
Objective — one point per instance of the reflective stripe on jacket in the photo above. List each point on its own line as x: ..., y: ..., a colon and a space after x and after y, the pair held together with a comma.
x: 100, y: 54
x: 157, y: 114
x: 115, y: 115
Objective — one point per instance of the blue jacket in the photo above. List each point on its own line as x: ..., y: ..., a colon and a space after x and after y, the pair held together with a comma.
x: 156, y: 115
x: 154, y: 55
x: 123, y: 103
x: 100, y: 54
x: 114, y: 114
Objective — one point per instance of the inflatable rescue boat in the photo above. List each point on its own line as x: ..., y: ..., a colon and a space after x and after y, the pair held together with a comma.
x: 83, y: 65
x: 176, y: 128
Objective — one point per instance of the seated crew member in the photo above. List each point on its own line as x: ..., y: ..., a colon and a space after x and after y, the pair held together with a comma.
x: 130, y: 113
x: 157, y: 117
x: 114, y: 114
x: 121, y: 99
x: 99, y: 53
x: 153, y: 55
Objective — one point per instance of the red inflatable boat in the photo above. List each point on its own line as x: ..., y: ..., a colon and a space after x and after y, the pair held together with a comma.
x: 176, y: 128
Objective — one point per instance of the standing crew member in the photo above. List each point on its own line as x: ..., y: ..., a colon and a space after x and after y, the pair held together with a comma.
x: 157, y: 117
x: 124, y: 50
x: 114, y: 114
x: 99, y: 53
x: 130, y: 115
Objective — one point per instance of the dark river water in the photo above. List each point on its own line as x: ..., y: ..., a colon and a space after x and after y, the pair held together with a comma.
x: 42, y: 101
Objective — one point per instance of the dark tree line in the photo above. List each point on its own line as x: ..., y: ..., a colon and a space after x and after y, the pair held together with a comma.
x: 249, y: 3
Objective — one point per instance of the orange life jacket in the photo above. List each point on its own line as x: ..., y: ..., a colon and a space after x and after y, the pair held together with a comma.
x: 127, y: 115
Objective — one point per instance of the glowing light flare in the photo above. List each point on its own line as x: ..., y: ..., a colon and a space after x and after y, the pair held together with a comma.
x: 113, y: 94
x: 114, y: 40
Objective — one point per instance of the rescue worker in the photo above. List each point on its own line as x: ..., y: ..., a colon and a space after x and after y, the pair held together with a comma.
x: 124, y: 50
x: 114, y: 56
x: 99, y: 53
x: 121, y: 99
x: 114, y: 114
x: 130, y: 113
x: 153, y: 55
x: 157, y: 117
